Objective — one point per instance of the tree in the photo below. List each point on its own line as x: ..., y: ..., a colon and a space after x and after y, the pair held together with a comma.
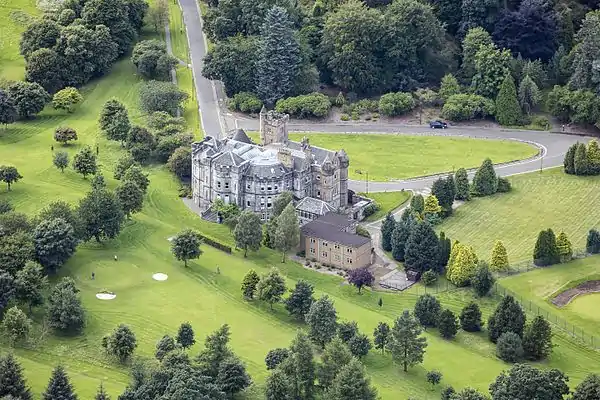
x: 180, y: 162
x: 447, y: 393
x: 352, y: 383
x: 580, y: 160
x: 30, y: 283
x: 121, y: 343
x: 432, y: 210
x: 470, y: 318
x: 249, y: 284
x: 232, y: 377
x: 85, y: 163
x: 427, y: 310
x: 114, y: 120
x: 569, y: 161
x: 9, y: 175
x: 135, y: 174
x: 164, y: 346
x: 275, y: 357
x: 152, y: 60
x: 360, y: 277
x: 271, y: 287
x: 445, y: 248
x: 588, y: 389
x: 16, y: 247
x: 7, y: 284
x: 115, y: 14
x: 61, y: 160
x: 468, y: 394
x: 100, y: 214
x: 300, y: 367
x: 101, y: 393
x: 161, y: 96
x: 359, y: 345
x: 215, y: 351
x: 448, y: 87
x: 443, y: 190
x: 299, y: 302
x: 482, y: 280
x: 59, y: 386
x: 447, y: 324
x: 499, y: 257
x: 565, y: 249
x: 13, y: 381
x: 16, y: 325
x: 461, y: 182
x: 546, y: 250
x: 333, y: 359
x: 44, y: 67
x: 322, y: 321
x: 130, y: 196
x: 8, y: 110
x: 54, y: 242
x: 417, y: 203
x: 474, y: 39
x: 64, y: 134
x: 422, y: 250
x: 387, y: 229
x: 278, y: 386
x: 592, y: 244
x: 186, y: 246
x: 185, y: 335
x: 429, y: 277
x: 523, y: 382
x: 491, y: 67
x: 529, y: 94
x: 508, y: 317
x: 434, y: 377
x: 400, y: 236
x: 508, y: 110
x: 381, y: 336
x: 287, y: 233
x: 485, y: 181
x: 537, y: 339
x: 42, y: 33
x: 347, y: 330
x: 463, y: 267
x: 248, y: 232
x: 585, y: 53
x: 65, y: 312
x: 406, y: 344
x: 29, y: 98
x: 159, y: 14
x: 509, y: 347
x: 66, y: 99
x: 281, y: 202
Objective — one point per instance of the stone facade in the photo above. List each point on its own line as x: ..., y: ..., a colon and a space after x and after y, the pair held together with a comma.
x: 236, y: 170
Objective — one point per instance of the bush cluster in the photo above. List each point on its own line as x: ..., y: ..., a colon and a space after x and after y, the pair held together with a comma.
x: 465, y: 107
x: 313, y: 105
x: 393, y: 104
x: 245, y: 102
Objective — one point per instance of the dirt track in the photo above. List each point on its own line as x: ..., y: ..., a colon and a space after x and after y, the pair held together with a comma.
x: 564, y: 298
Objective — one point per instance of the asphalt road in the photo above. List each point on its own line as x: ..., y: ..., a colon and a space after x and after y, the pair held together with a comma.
x: 215, y: 122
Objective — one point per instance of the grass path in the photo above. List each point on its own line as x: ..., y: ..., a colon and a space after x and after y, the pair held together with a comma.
x: 552, y: 199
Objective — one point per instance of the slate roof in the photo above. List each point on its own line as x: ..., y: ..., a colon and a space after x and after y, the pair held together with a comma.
x: 314, y: 206
x: 330, y: 227
x: 230, y: 158
x: 240, y: 136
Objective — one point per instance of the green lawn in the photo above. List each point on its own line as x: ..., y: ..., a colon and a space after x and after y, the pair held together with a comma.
x: 552, y: 199
x: 387, y: 201
x: 541, y: 285
x: 14, y: 17
x: 388, y: 157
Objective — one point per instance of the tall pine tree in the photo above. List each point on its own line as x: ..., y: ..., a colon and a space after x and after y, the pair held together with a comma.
x: 59, y: 387
x: 279, y: 57
x: 12, y: 382
x: 546, y: 250
x: 461, y: 184
x: 399, y: 237
x: 387, y: 229
x: 485, y: 181
x: 422, y: 249
x: 508, y: 110
x: 580, y: 160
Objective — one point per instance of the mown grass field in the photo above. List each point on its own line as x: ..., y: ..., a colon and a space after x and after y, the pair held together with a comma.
x: 551, y: 199
x: 387, y: 201
x: 541, y: 285
x: 14, y: 17
x: 388, y: 157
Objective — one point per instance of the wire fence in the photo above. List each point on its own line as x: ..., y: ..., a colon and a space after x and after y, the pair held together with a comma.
x: 528, y: 265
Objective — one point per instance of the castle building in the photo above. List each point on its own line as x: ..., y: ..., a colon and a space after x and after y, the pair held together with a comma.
x: 250, y: 175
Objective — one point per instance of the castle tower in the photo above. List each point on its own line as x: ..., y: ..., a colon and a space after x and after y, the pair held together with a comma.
x: 273, y: 127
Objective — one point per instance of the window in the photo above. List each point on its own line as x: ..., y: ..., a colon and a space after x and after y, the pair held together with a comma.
x: 318, y: 193
x: 226, y: 185
x: 312, y: 240
x: 349, y: 260
x: 337, y: 246
x: 276, y: 187
x: 318, y: 177
x: 247, y: 203
x: 248, y: 186
x: 349, y: 251
x: 312, y: 251
x: 335, y: 176
x: 269, y: 188
x: 263, y: 216
x: 218, y: 184
x: 269, y: 204
x: 325, y: 244
x: 262, y: 202
x: 324, y: 254
x: 262, y: 187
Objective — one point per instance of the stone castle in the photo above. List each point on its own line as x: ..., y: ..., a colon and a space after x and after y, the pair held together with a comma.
x: 250, y: 175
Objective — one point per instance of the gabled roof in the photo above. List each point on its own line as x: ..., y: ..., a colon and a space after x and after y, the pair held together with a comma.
x: 240, y: 136
x: 330, y: 227
x: 314, y: 206
x: 230, y: 159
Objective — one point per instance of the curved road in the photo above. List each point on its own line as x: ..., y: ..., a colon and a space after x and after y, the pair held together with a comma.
x: 215, y: 122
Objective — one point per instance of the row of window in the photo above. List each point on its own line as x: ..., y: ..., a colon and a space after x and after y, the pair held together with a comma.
x: 262, y: 202
x: 335, y: 256
x: 335, y: 245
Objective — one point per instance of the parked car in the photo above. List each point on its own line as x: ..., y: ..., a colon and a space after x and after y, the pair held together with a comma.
x: 437, y: 124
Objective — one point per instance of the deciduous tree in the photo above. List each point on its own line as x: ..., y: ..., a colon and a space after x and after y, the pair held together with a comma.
x: 474, y: 39
x: 29, y: 98
x: 524, y: 382
x: 248, y: 232
x: 406, y: 344
x: 281, y: 202
x: 434, y: 377
x: 491, y: 67
x: 130, y: 196
x: 448, y: 87
x: 180, y: 162
x: 121, y: 343
x: 30, y: 284
x: 381, y: 336
x: 9, y: 175
x: 114, y: 120
x: 300, y: 299
x: 85, y: 162
x: 361, y: 277
x: 100, y: 214
x: 164, y: 346
x: 588, y: 389
x: 287, y: 233
x: 186, y: 245
x: 66, y: 99
x: 185, y: 335
x: 249, y: 284
x: 16, y: 325
x: 55, y: 242
x: 65, y: 312
x: 322, y: 321
x: 61, y: 160
x: 7, y: 286
x: 136, y: 174
x: 161, y: 96
x: 271, y: 287
x: 275, y: 357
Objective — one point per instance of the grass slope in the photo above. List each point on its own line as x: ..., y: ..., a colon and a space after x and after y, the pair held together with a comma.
x: 403, y: 156
x: 387, y: 201
x: 551, y: 199
x: 14, y: 17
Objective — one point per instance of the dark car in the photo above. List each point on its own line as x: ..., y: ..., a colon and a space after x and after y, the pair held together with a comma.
x: 437, y: 124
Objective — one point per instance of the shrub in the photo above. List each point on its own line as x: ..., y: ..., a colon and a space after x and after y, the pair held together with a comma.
x: 151, y: 59
x: 510, y: 347
x: 185, y: 191
x: 362, y: 231
x: 371, y: 209
x: 64, y: 134
x: 66, y: 99
x: 393, y: 104
x: 355, y: 116
x: 180, y: 162
x: 465, y: 107
x: 429, y: 277
x: 592, y: 244
x: 245, y: 102
x: 345, y: 117
x: 161, y: 96
x: 504, y: 185
x: 470, y: 318
x: 305, y: 106
x: 540, y: 122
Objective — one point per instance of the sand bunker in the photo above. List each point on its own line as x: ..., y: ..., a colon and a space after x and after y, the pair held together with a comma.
x: 160, y: 277
x: 105, y: 296
x: 564, y: 298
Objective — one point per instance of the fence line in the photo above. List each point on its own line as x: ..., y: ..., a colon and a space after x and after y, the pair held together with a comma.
x: 521, y: 267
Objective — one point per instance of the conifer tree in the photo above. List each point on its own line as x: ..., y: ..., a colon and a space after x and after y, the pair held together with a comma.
x: 422, y: 249
x: 508, y: 317
x: 482, y: 279
x: 417, y: 203
x: 427, y: 310
x: 580, y: 161
x: 12, y: 381
x: 565, y: 249
x: 443, y: 190
x: 322, y: 321
x: 592, y: 244
x: 445, y: 248
x: 485, y: 181
x: 588, y: 389
x: 59, y: 387
x: 470, y: 318
x: 185, y: 335
x: 335, y: 356
x: 278, y: 386
x: 593, y: 157
x: 352, y: 383
x: 447, y: 324
x: 249, y: 283
x: 387, y: 229
x: 248, y: 232
x: 499, y: 257
x: 569, y: 162
x: 279, y: 57
x: 537, y: 339
x: 461, y: 182
x: 302, y: 366
x: 381, y: 336
x: 456, y: 246
x: 299, y: 302
x: 399, y: 238
x: 448, y: 87
x: 406, y: 344
x: 464, y: 266
x: 546, y: 250
x: 432, y: 210
x: 101, y: 393
x: 529, y: 94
